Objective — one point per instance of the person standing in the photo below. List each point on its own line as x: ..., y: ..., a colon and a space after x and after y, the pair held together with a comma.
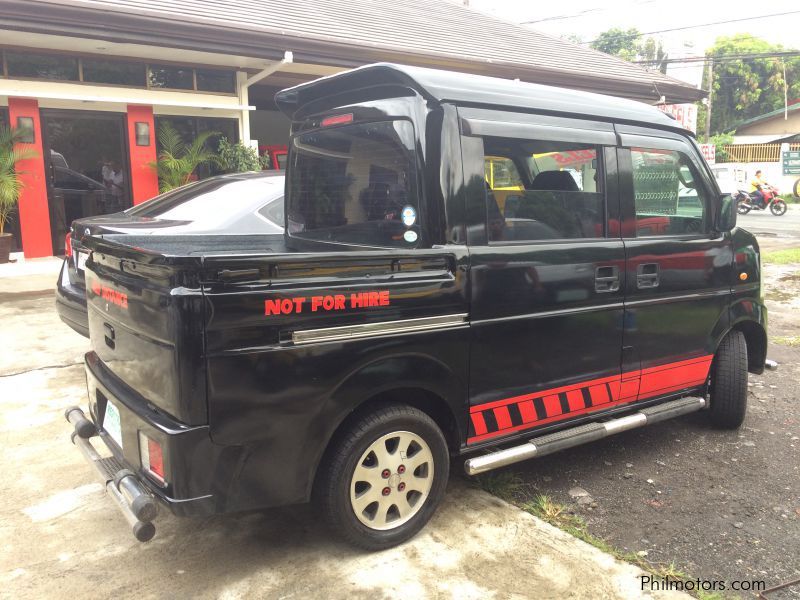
x: 117, y: 186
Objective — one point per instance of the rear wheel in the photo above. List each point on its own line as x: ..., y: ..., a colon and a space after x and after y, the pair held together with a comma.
x: 383, y: 478
x: 742, y: 206
x: 729, y: 382
x: 778, y: 207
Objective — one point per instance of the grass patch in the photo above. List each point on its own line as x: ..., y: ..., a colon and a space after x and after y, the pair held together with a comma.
x: 782, y: 257
x: 504, y: 484
x: 793, y: 341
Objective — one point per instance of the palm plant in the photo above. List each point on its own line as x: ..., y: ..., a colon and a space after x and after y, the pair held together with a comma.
x: 178, y: 160
x: 10, y: 182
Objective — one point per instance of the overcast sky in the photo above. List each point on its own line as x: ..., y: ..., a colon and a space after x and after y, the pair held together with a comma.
x: 588, y: 18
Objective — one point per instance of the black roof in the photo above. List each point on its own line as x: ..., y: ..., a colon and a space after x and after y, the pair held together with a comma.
x: 475, y: 90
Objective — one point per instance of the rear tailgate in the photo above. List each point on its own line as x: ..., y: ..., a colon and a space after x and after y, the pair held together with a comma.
x: 146, y: 316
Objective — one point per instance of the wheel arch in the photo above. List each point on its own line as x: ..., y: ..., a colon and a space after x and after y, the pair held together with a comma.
x: 756, y: 339
x: 420, y: 381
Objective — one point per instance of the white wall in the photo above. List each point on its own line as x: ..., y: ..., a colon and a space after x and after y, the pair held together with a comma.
x: 770, y: 170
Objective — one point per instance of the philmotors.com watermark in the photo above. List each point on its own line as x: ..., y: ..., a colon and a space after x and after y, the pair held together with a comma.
x: 660, y: 584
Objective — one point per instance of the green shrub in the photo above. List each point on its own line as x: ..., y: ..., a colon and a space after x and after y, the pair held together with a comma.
x: 238, y: 158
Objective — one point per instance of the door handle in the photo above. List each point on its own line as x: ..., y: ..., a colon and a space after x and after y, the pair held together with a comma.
x: 606, y: 279
x: 647, y: 276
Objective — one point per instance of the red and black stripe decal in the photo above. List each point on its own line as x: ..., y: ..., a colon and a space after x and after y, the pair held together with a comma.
x: 510, y: 415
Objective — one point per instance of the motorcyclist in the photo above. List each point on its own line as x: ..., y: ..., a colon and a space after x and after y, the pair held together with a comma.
x: 756, y: 191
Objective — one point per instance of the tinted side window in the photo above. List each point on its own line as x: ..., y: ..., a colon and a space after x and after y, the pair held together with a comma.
x: 501, y: 173
x: 668, y: 193
x: 539, y: 190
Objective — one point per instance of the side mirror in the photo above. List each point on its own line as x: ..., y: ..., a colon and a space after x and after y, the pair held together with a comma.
x: 726, y: 215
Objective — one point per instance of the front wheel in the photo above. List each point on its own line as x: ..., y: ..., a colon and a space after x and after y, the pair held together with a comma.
x: 778, y: 207
x: 382, y: 480
x: 729, y: 382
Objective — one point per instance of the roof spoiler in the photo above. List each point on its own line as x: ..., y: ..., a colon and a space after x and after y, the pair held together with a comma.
x: 291, y: 100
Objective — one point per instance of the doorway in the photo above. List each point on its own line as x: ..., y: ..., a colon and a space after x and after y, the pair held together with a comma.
x: 87, y: 167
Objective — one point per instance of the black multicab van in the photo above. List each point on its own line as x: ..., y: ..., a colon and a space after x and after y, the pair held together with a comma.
x: 471, y: 267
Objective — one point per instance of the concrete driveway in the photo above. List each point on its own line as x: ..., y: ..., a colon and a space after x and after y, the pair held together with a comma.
x: 61, y: 536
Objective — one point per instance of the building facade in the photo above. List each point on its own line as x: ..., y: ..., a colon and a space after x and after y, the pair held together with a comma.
x: 92, y: 81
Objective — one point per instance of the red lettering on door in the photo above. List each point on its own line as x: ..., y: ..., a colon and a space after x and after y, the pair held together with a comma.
x: 286, y: 306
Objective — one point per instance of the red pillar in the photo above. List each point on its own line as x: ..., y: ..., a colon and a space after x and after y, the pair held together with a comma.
x: 144, y: 179
x: 34, y: 212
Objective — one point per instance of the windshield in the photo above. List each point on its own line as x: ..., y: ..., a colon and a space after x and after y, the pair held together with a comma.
x: 355, y: 184
x: 211, y: 200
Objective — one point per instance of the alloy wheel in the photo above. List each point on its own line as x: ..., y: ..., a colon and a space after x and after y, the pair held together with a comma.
x: 391, y: 480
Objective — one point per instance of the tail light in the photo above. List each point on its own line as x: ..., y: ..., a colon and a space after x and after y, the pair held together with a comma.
x: 152, y: 457
x: 337, y: 120
x: 68, y: 245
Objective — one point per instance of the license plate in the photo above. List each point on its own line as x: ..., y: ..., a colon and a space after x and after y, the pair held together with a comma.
x: 81, y: 259
x: 112, y: 425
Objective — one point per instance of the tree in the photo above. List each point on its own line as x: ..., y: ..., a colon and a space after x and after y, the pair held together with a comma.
x: 744, y: 88
x: 628, y: 44
x: 178, y: 160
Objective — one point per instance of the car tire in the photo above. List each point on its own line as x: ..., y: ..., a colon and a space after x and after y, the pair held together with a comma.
x: 383, y: 477
x: 729, y: 382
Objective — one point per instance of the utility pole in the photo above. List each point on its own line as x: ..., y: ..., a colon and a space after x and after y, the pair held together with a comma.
x: 785, y: 93
x: 710, y: 93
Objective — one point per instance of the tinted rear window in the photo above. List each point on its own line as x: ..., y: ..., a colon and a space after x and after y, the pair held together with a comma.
x: 211, y: 199
x: 355, y: 184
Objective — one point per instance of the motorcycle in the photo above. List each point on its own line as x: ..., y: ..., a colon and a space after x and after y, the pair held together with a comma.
x: 746, y: 201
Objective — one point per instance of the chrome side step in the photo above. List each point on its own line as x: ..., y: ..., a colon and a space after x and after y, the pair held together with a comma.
x: 547, y: 444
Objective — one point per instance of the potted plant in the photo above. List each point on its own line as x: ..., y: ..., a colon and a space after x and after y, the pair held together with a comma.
x: 178, y: 160
x: 10, y: 183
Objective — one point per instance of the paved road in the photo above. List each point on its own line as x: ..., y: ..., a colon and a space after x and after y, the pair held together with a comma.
x: 764, y: 223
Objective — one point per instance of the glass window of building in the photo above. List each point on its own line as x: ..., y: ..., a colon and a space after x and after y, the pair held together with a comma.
x: 114, y: 72
x: 41, y: 66
x: 190, y: 127
x: 176, y: 78
x: 213, y: 80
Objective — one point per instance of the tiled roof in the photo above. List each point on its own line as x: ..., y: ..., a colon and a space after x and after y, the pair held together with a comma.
x: 432, y: 33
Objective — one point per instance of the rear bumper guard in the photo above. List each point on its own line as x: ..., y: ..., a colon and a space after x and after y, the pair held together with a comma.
x: 127, y: 491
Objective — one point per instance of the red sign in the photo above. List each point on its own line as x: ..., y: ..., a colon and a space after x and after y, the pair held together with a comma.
x: 685, y: 114
x: 709, y: 153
